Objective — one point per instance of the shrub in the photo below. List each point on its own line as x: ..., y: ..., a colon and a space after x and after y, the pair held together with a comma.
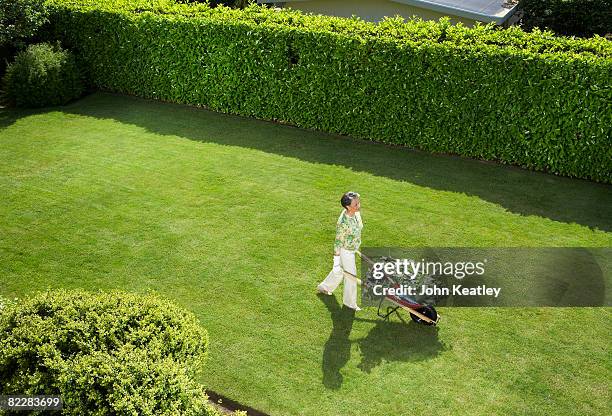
x: 104, y: 353
x: 527, y: 99
x: 568, y: 17
x: 129, y: 382
x: 20, y: 20
x: 213, y: 3
x: 42, y: 75
x: 5, y: 303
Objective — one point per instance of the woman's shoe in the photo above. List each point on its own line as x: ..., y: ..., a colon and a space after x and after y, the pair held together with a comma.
x: 321, y: 290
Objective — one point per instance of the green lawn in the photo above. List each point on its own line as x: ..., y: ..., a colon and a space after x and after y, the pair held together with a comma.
x: 234, y: 219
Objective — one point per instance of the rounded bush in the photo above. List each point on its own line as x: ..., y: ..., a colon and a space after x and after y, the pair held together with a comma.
x: 5, y: 302
x: 42, y: 75
x: 104, y: 353
x: 131, y: 383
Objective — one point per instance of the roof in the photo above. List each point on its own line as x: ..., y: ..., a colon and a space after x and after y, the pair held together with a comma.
x: 497, y: 11
x: 483, y: 10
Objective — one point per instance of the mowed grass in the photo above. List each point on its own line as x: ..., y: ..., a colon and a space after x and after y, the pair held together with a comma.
x: 234, y: 219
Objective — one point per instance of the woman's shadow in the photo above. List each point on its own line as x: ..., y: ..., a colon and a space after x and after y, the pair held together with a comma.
x: 387, y: 341
x: 337, y: 350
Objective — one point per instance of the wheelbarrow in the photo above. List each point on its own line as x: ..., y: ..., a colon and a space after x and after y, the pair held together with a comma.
x: 419, y: 313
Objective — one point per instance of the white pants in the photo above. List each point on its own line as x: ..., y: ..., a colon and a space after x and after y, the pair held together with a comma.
x: 331, y: 282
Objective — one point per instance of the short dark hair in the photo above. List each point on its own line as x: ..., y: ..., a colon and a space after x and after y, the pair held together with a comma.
x: 347, y: 198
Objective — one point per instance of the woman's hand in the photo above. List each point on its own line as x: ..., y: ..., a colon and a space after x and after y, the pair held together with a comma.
x: 337, y: 268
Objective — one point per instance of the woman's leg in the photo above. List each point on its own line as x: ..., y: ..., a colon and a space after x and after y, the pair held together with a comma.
x: 332, y: 280
x: 347, y: 259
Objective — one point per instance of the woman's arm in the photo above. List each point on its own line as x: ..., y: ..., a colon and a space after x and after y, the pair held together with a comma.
x: 341, y: 231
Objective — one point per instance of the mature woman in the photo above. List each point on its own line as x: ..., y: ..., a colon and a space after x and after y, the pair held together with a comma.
x: 348, y: 240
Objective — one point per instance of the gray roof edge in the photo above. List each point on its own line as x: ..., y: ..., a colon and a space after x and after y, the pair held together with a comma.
x: 425, y: 4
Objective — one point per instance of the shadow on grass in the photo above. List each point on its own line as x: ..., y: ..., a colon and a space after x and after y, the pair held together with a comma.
x: 8, y: 116
x: 337, y: 349
x: 392, y: 341
x: 517, y: 190
x: 387, y: 341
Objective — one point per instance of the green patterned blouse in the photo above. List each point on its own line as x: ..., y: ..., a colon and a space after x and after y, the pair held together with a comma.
x: 348, y: 232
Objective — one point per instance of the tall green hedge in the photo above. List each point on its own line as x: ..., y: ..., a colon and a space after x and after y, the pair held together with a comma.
x: 528, y: 99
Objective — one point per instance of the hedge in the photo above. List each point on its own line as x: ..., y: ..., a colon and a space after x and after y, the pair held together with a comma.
x: 106, y: 353
x: 528, y: 99
x: 20, y: 20
x: 568, y: 17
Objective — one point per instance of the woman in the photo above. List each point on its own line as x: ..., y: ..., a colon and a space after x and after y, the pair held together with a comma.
x: 348, y: 240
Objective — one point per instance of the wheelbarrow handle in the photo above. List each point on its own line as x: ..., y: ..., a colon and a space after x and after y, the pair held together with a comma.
x: 366, y: 258
x: 352, y: 276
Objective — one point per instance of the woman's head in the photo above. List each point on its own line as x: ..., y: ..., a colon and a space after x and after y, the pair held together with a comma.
x: 350, y: 201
